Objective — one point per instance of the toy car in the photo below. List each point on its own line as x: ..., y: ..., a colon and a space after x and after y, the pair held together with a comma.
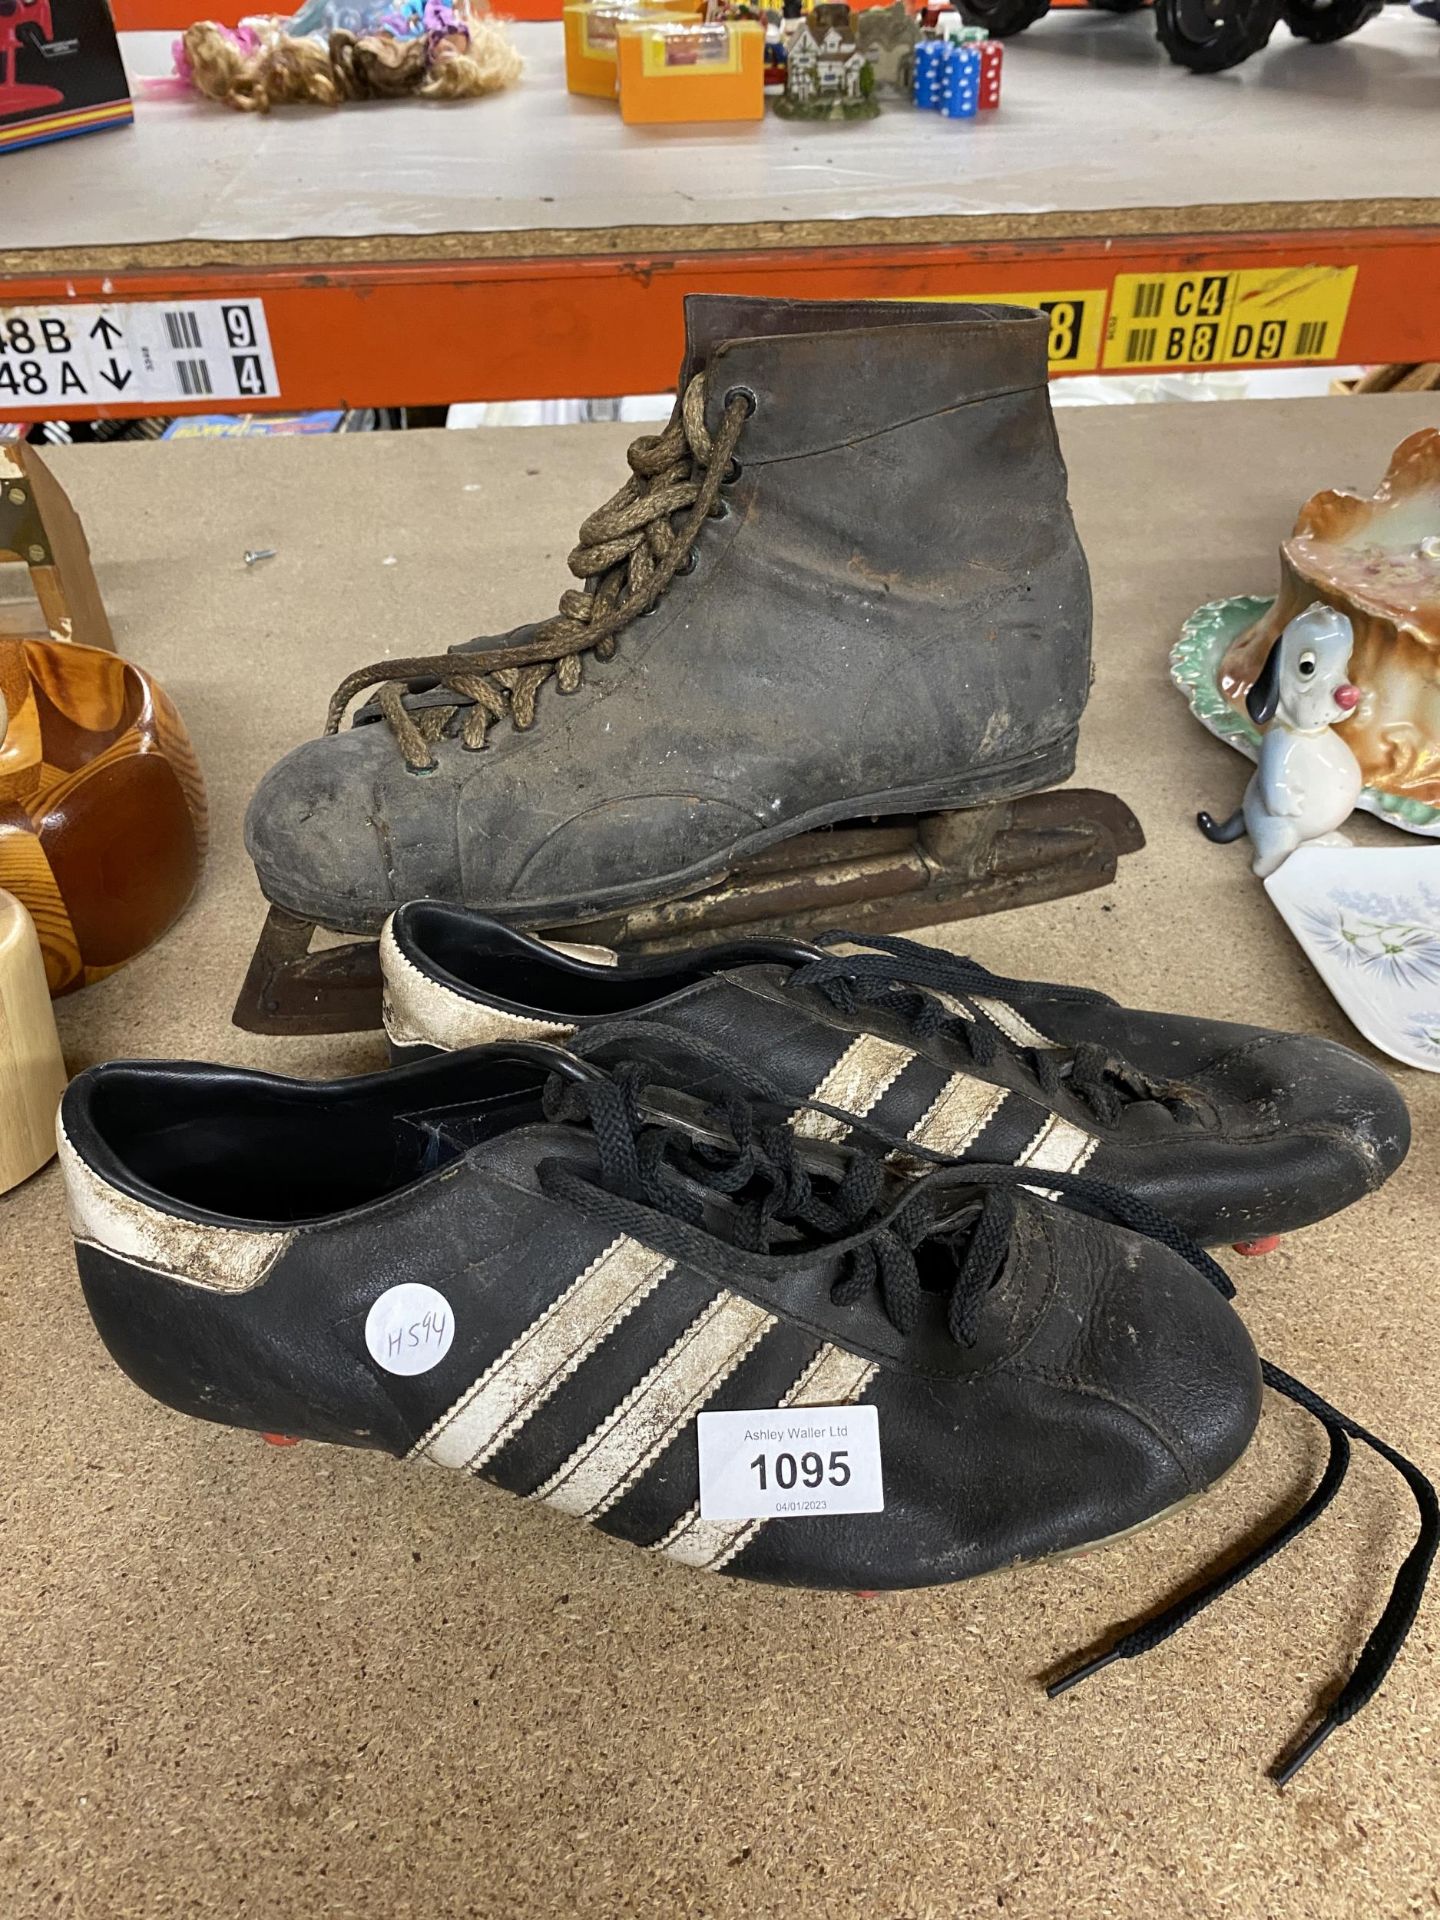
x: 1205, y: 35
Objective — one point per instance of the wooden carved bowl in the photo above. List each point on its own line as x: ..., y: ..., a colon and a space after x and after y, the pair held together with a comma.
x: 102, y: 807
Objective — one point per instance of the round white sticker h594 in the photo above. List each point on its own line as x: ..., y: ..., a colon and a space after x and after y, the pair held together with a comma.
x: 409, y: 1329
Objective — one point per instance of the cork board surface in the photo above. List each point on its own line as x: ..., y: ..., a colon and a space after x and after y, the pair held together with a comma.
x: 241, y: 1682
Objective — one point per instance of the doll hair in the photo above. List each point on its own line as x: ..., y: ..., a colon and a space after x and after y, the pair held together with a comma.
x: 259, y: 65
x: 465, y: 65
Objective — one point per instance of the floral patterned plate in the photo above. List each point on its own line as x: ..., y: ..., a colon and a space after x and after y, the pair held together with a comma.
x: 1195, y: 668
x: 1369, y: 919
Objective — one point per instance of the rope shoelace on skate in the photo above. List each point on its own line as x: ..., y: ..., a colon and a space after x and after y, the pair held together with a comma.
x: 630, y: 548
x: 924, y: 989
x: 653, y: 1178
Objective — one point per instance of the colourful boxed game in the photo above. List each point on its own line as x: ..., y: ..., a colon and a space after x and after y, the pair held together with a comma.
x: 590, y: 30
x: 672, y: 71
x: 60, y: 71
x: 254, y: 426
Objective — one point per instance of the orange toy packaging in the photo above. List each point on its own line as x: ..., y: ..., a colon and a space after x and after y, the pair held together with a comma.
x: 672, y: 71
x: 590, y: 38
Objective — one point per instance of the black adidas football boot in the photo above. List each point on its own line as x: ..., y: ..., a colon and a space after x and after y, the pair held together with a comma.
x: 1232, y: 1132
x: 518, y: 1265
x: 601, y: 1264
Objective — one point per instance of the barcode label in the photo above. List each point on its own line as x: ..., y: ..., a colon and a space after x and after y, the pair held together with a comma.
x: 194, y: 378
x: 184, y: 330
x: 1230, y: 316
x: 82, y: 358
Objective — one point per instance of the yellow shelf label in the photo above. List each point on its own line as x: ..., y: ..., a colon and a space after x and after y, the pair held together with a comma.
x: 1077, y: 321
x: 1245, y: 318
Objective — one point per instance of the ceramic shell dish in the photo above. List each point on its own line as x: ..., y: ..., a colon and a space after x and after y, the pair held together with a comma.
x: 1369, y: 920
x: 1378, y: 561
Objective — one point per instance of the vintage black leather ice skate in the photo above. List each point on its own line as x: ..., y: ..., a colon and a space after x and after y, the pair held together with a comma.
x: 525, y: 1266
x: 1235, y: 1133
x: 842, y: 585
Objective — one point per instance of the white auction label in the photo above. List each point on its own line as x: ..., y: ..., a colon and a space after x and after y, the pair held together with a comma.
x: 788, y: 1463
x: 409, y: 1329
x: 135, y: 350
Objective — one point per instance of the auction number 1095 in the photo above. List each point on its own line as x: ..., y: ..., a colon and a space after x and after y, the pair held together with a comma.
x: 810, y: 1469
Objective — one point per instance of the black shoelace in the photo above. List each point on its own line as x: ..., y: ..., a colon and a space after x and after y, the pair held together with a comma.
x: 903, y: 978
x: 1381, y: 1649
x: 653, y: 1179
x: 777, y: 1206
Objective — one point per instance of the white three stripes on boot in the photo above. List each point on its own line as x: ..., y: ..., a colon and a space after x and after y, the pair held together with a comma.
x: 962, y: 1110
x: 834, y: 1378
x: 537, y: 1364
x: 855, y: 1083
x: 1059, y: 1147
x: 864, y: 1073
x: 960, y: 1113
x: 1011, y: 1021
x: 627, y: 1441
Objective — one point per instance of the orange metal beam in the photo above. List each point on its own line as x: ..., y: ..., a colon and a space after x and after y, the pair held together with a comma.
x: 427, y: 334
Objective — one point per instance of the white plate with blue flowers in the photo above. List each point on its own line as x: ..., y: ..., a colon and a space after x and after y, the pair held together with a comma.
x: 1369, y: 919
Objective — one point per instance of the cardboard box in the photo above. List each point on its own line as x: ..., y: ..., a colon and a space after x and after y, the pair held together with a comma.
x: 60, y: 71
x: 672, y: 71
x: 257, y: 426
x: 591, y: 27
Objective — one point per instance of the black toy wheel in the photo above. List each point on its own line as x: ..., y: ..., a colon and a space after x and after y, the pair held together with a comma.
x: 1209, y: 35
x: 1118, y: 6
x: 1003, y: 17
x: 1324, y: 20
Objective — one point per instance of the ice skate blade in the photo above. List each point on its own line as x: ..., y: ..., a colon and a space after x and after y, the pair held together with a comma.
x: 289, y: 989
x: 919, y: 870
x: 914, y: 870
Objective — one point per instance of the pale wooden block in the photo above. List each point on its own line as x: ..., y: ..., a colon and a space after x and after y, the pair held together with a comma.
x: 32, y: 1072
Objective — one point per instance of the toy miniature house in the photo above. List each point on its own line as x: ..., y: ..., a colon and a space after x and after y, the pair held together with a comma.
x: 886, y: 37
x: 825, y: 63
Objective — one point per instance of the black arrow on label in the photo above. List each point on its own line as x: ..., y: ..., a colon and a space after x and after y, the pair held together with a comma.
x: 117, y: 379
x: 106, y: 330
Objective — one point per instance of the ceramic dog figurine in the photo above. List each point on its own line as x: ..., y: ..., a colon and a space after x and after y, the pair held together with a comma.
x: 1308, y: 780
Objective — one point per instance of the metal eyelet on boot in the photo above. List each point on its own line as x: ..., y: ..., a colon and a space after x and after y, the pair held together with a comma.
x: 741, y: 393
x: 732, y: 472
x: 688, y: 564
